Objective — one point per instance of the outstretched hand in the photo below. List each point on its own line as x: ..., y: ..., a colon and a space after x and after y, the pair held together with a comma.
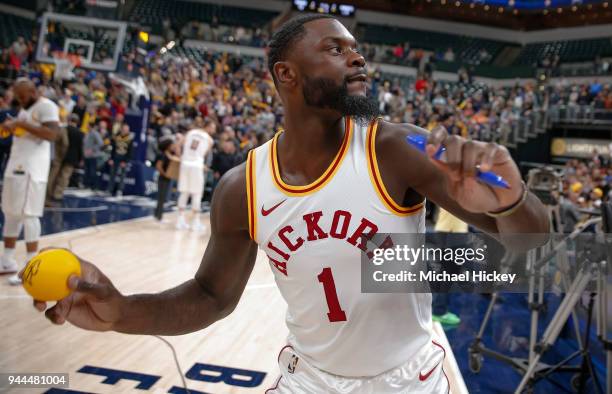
x: 463, y: 158
x: 94, y: 303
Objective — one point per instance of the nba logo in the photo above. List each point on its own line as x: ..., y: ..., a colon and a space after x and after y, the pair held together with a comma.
x: 292, y: 363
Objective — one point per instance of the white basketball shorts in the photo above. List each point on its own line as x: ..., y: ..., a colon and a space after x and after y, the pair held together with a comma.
x: 422, y: 374
x: 21, y: 196
x: 191, y: 180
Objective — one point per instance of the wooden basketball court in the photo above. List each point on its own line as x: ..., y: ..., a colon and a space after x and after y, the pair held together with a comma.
x: 143, y: 256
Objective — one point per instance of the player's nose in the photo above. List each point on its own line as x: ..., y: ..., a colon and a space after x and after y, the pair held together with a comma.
x: 357, y: 60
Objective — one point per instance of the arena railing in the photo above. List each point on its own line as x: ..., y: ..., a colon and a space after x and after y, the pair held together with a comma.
x: 579, y: 114
x: 530, y: 125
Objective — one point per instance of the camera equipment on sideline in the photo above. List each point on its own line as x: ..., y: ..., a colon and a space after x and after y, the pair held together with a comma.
x: 545, y: 183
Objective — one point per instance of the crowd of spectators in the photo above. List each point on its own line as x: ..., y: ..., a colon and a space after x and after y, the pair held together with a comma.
x: 590, y: 180
x: 586, y: 184
x: 483, y: 112
x: 216, y: 32
x: 407, y: 55
x: 238, y: 94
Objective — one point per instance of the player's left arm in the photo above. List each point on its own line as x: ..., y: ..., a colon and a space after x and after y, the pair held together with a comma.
x: 453, y: 185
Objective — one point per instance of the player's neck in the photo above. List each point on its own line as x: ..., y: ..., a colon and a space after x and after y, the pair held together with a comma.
x: 308, y: 145
x: 310, y: 133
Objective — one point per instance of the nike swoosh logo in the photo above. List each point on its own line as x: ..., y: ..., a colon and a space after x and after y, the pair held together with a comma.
x: 265, y: 212
x: 423, y: 378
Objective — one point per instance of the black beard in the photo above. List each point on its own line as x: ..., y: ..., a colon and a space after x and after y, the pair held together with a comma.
x: 325, y: 93
x: 30, y: 103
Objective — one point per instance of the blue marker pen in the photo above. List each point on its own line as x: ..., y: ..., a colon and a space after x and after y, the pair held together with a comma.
x: 488, y: 177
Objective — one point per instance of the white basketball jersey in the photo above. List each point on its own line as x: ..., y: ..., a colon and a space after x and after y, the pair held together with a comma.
x: 313, y: 238
x: 196, y: 146
x: 29, y: 154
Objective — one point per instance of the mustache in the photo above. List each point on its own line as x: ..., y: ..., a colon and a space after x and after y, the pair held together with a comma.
x: 361, y: 71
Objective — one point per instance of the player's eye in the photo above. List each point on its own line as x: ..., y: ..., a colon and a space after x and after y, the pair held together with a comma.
x: 336, y: 50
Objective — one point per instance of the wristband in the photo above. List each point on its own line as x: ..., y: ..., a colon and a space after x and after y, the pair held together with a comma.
x: 512, y: 208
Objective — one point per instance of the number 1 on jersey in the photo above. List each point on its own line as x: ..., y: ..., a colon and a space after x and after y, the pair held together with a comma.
x: 335, y: 311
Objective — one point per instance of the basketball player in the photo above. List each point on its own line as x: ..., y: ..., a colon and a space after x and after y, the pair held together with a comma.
x: 26, y: 174
x: 335, y: 174
x: 197, y: 144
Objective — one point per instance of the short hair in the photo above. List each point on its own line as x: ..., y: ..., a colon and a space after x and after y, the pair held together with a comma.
x: 75, y: 118
x: 286, y: 36
x: 207, y: 122
x: 165, y: 143
x: 25, y: 81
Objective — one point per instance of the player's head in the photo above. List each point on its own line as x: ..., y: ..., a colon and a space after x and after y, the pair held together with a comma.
x: 165, y: 143
x: 25, y: 92
x: 74, y: 120
x: 229, y: 131
x: 210, y: 126
x: 227, y: 143
x: 314, y: 62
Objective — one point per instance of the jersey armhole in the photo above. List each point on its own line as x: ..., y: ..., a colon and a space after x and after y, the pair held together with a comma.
x: 376, y: 178
x: 251, y: 194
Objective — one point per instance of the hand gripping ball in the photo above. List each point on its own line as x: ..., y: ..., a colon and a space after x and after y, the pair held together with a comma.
x: 45, y: 277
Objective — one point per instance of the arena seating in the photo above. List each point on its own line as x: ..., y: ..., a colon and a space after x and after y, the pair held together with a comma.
x: 152, y: 12
x: 25, y: 4
x: 466, y: 48
x: 12, y: 26
x: 568, y: 51
x: 197, y: 55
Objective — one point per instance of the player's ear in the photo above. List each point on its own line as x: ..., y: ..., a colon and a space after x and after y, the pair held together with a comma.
x: 285, y: 74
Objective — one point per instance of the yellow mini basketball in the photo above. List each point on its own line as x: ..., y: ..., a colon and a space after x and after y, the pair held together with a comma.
x: 19, y: 131
x: 45, y: 277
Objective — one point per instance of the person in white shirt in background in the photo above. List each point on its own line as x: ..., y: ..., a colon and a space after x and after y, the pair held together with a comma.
x: 27, y: 172
x: 197, y: 145
x: 66, y: 105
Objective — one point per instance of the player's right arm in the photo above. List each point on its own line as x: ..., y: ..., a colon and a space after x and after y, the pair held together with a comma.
x: 212, y: 294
